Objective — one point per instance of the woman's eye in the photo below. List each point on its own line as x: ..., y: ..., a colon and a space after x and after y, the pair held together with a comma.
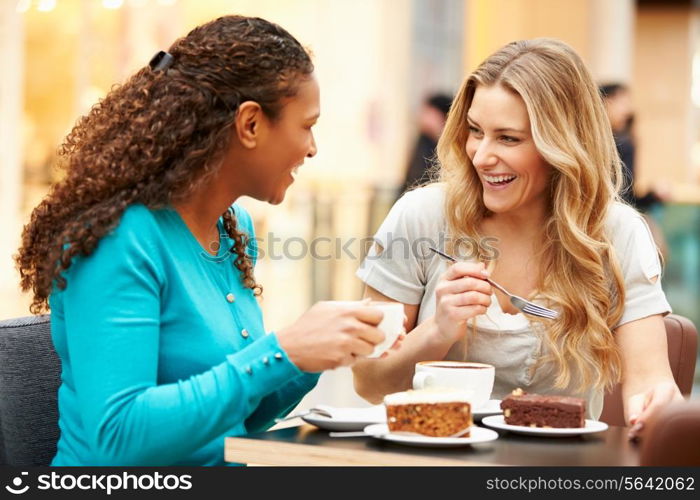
x: 510, y: 139
x: 474, y: 130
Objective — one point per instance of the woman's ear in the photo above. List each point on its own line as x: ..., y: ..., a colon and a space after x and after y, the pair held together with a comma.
x: 249, y: 123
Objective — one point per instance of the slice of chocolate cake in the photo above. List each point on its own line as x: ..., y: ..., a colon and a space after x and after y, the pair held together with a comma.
x: 535, y: 410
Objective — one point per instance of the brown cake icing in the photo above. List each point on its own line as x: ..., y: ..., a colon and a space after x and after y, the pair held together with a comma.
x: 535, y: 410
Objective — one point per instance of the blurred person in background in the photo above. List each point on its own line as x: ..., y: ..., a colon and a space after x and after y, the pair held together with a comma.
x: 620, y: 110
x: 431, y: 121
x: 147, y: 263
x: 529, y: 186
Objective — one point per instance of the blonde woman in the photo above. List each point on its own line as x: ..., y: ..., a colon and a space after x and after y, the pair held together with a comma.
x: 528, y: 196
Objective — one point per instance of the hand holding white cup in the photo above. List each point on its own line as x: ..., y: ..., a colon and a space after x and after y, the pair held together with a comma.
x: 391, y: 324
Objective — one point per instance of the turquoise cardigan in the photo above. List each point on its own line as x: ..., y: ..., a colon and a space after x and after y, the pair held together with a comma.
x: 163, y: 349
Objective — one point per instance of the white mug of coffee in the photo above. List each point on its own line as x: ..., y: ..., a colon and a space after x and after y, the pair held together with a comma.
x: 391, y: 324
x: 476, y: 378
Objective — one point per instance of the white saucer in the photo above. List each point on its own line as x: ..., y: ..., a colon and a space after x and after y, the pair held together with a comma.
x: 591, y: 427
x: 347, y: 419
x: 356, y: 419
x: 478, y: 435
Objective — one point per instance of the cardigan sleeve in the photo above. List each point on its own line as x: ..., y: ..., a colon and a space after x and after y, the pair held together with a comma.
x: 280, y: 402
x: 283, y: 400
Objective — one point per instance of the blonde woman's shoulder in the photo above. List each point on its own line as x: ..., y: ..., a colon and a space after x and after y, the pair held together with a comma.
x: 636, y: 246
x: 419, y: 212
x: 428, y: 200
x: 620, y: 216
x: 627, y: 227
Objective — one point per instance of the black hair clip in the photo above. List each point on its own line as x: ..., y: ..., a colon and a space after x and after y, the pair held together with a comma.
x: 161, y: 61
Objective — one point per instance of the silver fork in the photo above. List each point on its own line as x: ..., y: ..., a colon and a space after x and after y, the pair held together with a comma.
x: 520, y: 303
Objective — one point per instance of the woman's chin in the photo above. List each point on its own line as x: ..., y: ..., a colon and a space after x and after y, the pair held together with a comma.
x: 271, y: 198
x: 276, y: 201
x: 495, y: 208
x: 278, y: 197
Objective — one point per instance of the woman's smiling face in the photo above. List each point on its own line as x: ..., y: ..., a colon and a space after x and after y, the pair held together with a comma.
x: 288, y: 142
x: 265, y: 153
x: 513, y: 174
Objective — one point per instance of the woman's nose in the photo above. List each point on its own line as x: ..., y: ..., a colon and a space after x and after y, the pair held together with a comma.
x: 483, y: 154
x: 312, y: 150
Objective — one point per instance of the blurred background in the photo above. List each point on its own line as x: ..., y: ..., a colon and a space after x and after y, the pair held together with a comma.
x: 377, y: 61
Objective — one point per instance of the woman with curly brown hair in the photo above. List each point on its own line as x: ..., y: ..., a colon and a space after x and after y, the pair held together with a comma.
x: 159, y: 332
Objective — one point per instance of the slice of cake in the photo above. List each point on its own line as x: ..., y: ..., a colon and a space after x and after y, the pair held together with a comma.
x: 535, y: 410
x: 431, y: 412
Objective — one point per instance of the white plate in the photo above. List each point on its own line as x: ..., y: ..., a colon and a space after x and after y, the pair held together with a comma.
x: 356, y: 419
x: 591, y: 427
x: 478, y: 435
x: 347, y: 419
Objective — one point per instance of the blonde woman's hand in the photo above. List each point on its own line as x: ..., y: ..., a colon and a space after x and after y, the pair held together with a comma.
x: 644, y: 404
x: 330, y: 335
x: 461, y: 294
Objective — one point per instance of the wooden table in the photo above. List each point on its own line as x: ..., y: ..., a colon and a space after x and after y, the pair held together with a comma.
x: 307, y: 445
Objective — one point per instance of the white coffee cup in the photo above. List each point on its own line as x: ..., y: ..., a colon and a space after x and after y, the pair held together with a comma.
x: 476, y: 378
x: 391, y: 325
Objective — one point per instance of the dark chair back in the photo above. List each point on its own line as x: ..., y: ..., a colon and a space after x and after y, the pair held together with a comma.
x: 682, y: 337
x: 672, y: 436
x: 30, y: 373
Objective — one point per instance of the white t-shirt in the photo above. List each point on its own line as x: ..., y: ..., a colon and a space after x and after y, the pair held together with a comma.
x: 408, y: 272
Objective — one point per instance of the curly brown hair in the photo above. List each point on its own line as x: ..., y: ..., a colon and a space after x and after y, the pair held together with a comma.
x: 155, y: 139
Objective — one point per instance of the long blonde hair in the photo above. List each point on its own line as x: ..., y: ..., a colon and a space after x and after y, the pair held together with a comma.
x: 579, y: 274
